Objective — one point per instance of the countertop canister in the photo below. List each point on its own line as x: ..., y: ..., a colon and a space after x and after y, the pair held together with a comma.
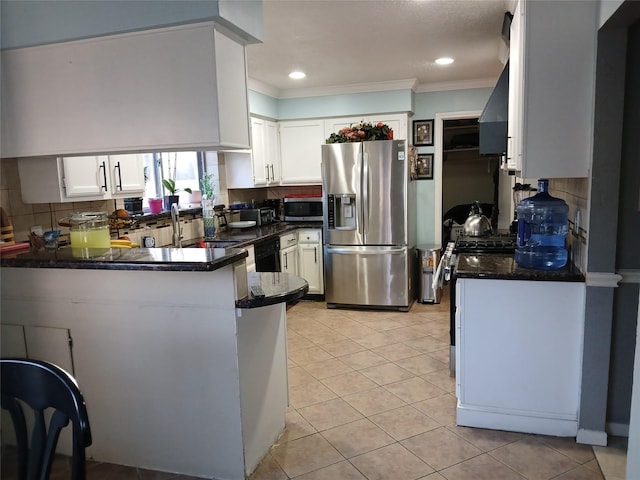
x: 89, y: 232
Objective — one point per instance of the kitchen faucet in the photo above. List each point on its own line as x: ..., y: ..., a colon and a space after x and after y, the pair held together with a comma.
x: 175, y: 224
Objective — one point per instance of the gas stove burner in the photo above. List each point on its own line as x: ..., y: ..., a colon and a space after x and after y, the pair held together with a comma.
x: 491, y: 244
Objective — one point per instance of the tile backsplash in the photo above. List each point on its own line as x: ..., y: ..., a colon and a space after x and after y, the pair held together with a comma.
x: 24, y: 216
x: 575, y: 191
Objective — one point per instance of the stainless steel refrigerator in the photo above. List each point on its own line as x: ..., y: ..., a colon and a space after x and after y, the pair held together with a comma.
x: 368, y: 226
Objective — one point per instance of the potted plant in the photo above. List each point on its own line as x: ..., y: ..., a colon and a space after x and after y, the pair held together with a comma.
x: 170, y: 185
x: 362, y: 132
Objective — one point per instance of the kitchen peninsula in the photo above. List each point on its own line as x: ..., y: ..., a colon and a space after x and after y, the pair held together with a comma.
x: 181, y: 369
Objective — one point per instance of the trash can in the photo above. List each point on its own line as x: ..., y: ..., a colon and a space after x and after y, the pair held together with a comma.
x: 428, y: 260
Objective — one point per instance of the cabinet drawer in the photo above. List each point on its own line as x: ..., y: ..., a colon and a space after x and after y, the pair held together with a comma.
x: 310, y: 236
x: 288, y: 240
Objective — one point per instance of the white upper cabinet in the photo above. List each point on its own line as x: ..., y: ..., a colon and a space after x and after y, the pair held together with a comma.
x: 81, y: 176
x: 261, y: 166
x: 552, y: 85
x: 260, y: 162
x: 177, y: 88
x: 272, y: 152
x: 71, y: 179
x: 289, y: 153
x: 397, y: 122
x: 300, y: 153
x: 265, y: 151
x: 127, y: 174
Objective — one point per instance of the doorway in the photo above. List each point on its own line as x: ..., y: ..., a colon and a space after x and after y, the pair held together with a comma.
x: 464, y: 177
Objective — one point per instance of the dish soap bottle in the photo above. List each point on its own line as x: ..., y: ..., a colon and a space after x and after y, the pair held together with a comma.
x: 542, y: 229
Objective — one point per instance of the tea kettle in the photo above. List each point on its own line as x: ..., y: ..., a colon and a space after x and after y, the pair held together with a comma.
x: 476, y: 224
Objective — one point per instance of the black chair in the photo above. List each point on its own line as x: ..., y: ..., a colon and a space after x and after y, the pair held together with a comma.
x: 43, y: 385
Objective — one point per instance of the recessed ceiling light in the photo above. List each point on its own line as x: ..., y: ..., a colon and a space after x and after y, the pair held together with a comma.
x: 444, y: 61
x: 297, y: 75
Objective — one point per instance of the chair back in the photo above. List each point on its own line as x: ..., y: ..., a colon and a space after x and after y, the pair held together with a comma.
x: 42, y: 385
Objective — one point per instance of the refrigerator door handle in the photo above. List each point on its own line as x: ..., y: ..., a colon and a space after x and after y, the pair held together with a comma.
x: 365, y: 193
x: 368, y: 251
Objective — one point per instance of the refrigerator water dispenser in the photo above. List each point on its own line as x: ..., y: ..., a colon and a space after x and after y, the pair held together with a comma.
x: 342, y: 212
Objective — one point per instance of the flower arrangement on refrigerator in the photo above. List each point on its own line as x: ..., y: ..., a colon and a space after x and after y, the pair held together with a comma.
x: 362, y: 132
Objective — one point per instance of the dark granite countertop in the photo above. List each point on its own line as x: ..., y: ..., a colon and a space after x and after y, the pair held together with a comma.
x: 158, y: 259
x: 249, y: 236
x: 278, y: 287
x: 166, y: 258
x: 503, y: 267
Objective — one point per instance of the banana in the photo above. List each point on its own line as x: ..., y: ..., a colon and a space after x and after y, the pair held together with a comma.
x: 120, y: 243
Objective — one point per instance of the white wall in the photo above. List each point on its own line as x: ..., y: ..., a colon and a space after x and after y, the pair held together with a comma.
x: 427, y: 105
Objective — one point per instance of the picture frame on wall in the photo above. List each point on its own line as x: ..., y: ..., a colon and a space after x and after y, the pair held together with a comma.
x: 423, y: 133
x: 424, y: 166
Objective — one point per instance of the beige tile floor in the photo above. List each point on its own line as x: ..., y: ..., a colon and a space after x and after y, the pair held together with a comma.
x: 371, y: 398
x: 613, y: 458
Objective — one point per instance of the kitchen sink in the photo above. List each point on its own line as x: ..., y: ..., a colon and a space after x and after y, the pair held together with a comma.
x: 212, y: 244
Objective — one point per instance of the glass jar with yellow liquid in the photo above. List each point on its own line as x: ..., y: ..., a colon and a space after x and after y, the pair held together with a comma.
x: 89, y: 232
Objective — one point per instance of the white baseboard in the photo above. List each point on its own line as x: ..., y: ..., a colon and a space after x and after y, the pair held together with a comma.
x: 591, y: 437
x: 472, y: 416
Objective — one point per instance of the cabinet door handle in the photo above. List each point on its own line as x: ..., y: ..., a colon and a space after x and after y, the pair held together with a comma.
x: 273, y: 178
x: 266, y: 169
x: 286, y: 264
x: 315, y: 254
x: 104, y: 175
x: 119, y: 185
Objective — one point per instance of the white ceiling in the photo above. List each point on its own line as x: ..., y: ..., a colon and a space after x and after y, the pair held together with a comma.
x: 366, y: 45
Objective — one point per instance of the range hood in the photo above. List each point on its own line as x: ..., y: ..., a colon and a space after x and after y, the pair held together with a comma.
x: 492, y: 123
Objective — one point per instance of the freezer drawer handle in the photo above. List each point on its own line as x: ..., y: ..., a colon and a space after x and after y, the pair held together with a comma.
x: 368, y: 251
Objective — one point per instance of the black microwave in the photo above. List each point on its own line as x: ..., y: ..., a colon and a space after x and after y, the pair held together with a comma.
x: 303, y: 208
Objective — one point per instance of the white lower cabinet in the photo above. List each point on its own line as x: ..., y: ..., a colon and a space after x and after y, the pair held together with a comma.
x: 50, y: 344
x: 519, y: 360
x: 289, y: 253
x: 289, y: 260
x: 73, y: 179
x: 310, y: 261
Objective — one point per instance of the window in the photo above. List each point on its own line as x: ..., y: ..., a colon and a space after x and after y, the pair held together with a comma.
x: 184, y: 167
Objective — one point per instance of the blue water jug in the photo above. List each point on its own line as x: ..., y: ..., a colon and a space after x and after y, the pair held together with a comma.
x: 542, y: 230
